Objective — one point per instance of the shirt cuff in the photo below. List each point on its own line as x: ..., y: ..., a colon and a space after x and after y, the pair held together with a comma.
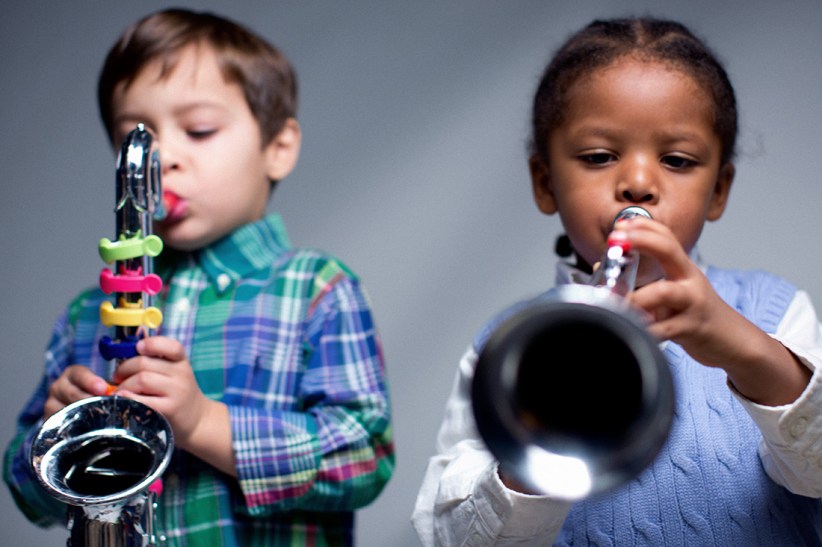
x: 521, y: 515
x: 775, y: 421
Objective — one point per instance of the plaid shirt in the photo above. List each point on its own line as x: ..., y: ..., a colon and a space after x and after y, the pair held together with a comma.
x: 284, y: 338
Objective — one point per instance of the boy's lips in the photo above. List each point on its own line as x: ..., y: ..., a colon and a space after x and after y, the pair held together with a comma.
x: 176, y: 207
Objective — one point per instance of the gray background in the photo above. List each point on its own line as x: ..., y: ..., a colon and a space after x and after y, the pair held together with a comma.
x: 413, y: 171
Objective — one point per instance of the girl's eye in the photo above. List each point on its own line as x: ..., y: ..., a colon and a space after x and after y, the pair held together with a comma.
x: 597, y: 158
x: 678, y: 162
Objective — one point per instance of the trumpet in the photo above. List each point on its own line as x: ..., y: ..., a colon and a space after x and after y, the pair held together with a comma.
x: 571, y: 393
x: 104, y: 456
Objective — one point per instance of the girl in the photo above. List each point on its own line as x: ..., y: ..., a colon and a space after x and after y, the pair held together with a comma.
x: 640, y: 112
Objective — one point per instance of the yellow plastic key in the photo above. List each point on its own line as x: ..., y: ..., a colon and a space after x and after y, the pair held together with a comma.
x: 129, y: 315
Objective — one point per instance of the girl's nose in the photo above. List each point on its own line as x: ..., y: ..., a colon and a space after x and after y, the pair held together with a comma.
x: 637, y: 182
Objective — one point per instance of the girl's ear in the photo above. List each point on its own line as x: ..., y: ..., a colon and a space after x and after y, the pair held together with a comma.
x: 722, y: 190
x: 541, y: 185
x: 282, y: 152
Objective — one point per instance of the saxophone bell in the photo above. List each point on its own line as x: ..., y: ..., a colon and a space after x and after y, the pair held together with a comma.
x: 102, y: 456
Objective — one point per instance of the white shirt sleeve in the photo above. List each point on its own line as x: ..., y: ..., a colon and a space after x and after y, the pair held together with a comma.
x: 791, y: 447
x: 462, y: 500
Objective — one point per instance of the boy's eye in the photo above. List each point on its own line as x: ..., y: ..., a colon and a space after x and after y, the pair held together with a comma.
x: 200, y: 134
x: 678, y: 162
x: 597, y: 158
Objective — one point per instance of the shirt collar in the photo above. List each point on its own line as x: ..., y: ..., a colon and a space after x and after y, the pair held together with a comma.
x: 249, y: 248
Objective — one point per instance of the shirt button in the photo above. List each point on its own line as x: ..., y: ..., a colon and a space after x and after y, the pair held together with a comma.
x: 182, y: 306
x: 223, y: 281
x: 798, y: 427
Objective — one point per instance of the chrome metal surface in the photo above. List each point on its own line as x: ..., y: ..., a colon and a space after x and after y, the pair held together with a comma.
x: 572, y: 395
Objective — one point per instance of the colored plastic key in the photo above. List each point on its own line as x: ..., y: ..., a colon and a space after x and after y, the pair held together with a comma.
x: 132, y: 247
x: 118, y: 349
x: 130, y: 316
x: 129, y: 282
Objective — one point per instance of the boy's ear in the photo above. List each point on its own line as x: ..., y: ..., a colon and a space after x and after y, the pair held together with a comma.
x: 541, y: 185
x: 722, y: 189
x: 283, y: 150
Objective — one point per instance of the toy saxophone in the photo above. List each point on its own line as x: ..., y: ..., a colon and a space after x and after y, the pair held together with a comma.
x: 104, y: 456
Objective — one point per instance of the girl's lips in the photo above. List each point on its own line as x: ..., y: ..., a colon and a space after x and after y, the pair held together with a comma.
x: 175, y: 206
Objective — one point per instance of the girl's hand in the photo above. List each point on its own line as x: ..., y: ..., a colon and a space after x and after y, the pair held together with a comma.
x: 682, y: 304
x: 162, y: 378
x: 77, y: 382
x: 685, y: 308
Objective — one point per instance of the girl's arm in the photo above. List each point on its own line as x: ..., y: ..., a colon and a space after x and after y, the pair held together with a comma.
x: 462, y: 500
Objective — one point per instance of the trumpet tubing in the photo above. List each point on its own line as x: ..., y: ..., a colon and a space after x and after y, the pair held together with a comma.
x: 572, y: 394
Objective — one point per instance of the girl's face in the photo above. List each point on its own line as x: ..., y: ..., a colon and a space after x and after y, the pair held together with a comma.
x: 634, y: 133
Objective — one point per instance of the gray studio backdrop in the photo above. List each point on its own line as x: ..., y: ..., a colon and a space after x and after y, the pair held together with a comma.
x: 413, y: 171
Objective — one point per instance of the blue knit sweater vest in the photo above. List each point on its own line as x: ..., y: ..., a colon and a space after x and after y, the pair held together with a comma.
x: 707, y: 486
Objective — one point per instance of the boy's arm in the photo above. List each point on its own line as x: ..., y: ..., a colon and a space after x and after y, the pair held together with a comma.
x: 35, y: 503
x: 337, y: 453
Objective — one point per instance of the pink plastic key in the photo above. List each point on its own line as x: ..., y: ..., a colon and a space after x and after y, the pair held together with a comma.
x: 129, y: 282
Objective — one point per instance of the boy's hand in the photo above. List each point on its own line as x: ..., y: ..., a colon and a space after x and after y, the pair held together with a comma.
x: 162, y: 378
x: 685, y: 308
x: 77, y: 382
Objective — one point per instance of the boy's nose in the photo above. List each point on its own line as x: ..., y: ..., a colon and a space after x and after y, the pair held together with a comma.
x: 168, y: 158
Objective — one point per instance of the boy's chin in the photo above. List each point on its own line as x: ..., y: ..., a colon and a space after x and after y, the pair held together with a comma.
x: 179, y: 240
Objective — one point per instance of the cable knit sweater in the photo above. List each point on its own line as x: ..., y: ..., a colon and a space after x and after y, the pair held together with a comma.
x: 707, y: 487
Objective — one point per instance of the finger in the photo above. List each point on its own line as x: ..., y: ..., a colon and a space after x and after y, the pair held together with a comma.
x: 660, y: 300
x: 655, y: 240
x: 140, y: 364
x: 80, y: 379
x: 146, y: 383
x: 161, y: 347
x: 76, y: 383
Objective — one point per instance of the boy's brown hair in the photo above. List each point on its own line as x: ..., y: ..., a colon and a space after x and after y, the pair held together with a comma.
x: 266, y: 77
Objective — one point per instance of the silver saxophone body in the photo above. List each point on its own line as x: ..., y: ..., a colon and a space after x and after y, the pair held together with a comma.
x: 571, y: 394
x: 104, y: 456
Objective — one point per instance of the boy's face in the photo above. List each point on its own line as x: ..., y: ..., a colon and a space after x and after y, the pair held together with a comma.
x: 211, y: 152
x: 634, y: 133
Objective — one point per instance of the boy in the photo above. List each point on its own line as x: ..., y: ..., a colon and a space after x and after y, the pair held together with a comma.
x: 268, y: 367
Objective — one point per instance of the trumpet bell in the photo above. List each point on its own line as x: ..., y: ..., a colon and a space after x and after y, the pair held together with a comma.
x: 572, y: 395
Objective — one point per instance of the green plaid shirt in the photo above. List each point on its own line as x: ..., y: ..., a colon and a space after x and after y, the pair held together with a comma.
x: 285, y: 338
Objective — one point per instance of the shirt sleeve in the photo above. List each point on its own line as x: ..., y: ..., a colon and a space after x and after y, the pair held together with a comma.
x: 791, y: 447
x: 35, y: 503
x: 462, y: 500
x: 336, y: 453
